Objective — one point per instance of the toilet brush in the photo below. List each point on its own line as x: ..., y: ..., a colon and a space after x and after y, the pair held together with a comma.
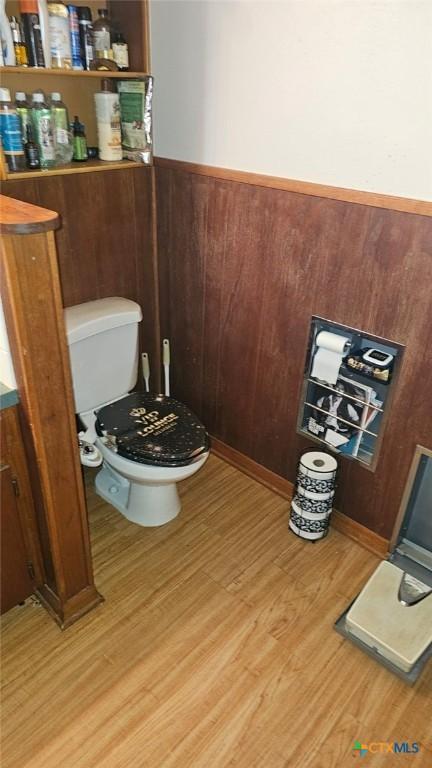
x: 166, y: 363
x: 146, y: 370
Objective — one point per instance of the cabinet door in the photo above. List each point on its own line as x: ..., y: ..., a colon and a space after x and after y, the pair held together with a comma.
x: 16, y: 582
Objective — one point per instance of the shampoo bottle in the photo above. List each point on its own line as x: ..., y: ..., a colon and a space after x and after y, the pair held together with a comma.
x: 7, y: 45
x: 62, y: 136
x: 19, y: 45
x: 44, y: 28
x: 23, y: 111
x: 86, y: 36
x: 43, y: 129
x: 61, y: 54
x: 10, y: 132
x: 108, y: 123
x: 32, y: 32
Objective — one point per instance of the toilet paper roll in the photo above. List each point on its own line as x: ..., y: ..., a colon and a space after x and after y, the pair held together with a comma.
x: 310, y: 513
x: 328, y: 358
x: 308, y: 529
x: 313, y: 494
x: 318, y: 464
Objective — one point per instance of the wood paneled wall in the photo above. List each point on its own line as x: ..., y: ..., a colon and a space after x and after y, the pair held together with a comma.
x: 242, y: 270
x: 105, y: 243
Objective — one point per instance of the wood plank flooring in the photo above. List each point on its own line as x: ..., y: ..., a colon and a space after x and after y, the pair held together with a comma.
x: 215, y: 648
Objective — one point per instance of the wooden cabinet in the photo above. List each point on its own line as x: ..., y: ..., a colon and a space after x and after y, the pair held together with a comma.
x: 20, y: 557
x: 78, y: 87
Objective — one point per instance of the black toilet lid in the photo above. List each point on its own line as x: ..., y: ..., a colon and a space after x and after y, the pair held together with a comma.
x: 153, y: 429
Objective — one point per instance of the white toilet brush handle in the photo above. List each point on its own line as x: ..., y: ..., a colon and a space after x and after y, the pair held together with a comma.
x: 146, y: 370
x: 166, y: 364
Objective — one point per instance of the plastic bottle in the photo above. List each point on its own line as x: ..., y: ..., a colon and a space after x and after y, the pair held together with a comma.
x: 7, y: 45
x: 44, y: 28
x: 86, y: 36
x: 43, y: 130
x: 120, y: 52
x: 10, y: 132
x: 102, y: 35
x: 32, y: 32
x: 19, y: 46
x: 61, y: 54
x: 60, y: 118
x: 75, y: 37
x: 24, y: 112
x: 108, y: 123
x: 79, y: 141
x: 31, y: 149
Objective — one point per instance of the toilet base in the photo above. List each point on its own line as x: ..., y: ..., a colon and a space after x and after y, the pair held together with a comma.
x: 146, y: 505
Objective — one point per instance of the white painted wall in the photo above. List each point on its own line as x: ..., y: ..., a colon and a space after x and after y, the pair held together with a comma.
x: 7, y: 375
x: 337, y: 92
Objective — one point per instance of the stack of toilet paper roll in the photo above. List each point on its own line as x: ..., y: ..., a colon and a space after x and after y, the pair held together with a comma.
x: 312, y: 502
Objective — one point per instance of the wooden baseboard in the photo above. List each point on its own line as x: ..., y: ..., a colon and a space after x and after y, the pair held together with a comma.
x: 280, y: 485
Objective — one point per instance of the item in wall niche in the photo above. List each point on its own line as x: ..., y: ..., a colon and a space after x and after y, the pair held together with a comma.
x: 331, y: 347
x: 32, y: 32
x: 19, y: 45
x: 61, y: 54
x: 103, y: 65
x: 10, y: 132
x: 312, y: 502
x: 75, y: 37
x: 6, y: 37
x: 136, y: 118
x: 336, y: 417
x: 24, y: 112
x: 86, y: 37
x: 63, y: 138
x: 43, y: 129
x: 79, y: 141
x: 108, y: 122
x: 120, y: 52
x: 372, y: 363
x: 102, y: 35
x: 44, y: 29
x: 31, y: 150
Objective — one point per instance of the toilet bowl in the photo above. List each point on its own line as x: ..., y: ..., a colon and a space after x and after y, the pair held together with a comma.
x: 148, y: 443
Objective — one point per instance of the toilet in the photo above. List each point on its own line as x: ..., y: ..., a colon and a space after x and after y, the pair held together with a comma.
x: 148, y: 442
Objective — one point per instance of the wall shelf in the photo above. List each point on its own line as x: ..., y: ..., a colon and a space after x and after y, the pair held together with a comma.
x: 88, y: 167
x: 98, y: 73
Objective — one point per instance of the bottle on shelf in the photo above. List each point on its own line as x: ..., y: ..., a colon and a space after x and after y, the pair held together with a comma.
x: 44, y: 28
x: 61, y: 54
x: 32, y: 32
x: 10, y: 132
x: 102, y: 35
x: 20, y: 48
x: 108, y: 123
x: 60, y: 119
x: 23, y: 111
x: 6, y: 39
x: 31, y: 150
x: 86, y: 36
x: 43, y: 130
x: 120, y: 52
x: 75, y: 37
x: 79, y: 141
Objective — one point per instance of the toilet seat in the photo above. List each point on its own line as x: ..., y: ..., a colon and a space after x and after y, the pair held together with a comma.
x: 152, y: 429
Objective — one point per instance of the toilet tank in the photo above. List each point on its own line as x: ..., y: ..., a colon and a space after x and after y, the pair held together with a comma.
x: 103, y: 345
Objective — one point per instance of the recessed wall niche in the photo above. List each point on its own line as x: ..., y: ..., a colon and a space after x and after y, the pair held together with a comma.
x: 348, y: 383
